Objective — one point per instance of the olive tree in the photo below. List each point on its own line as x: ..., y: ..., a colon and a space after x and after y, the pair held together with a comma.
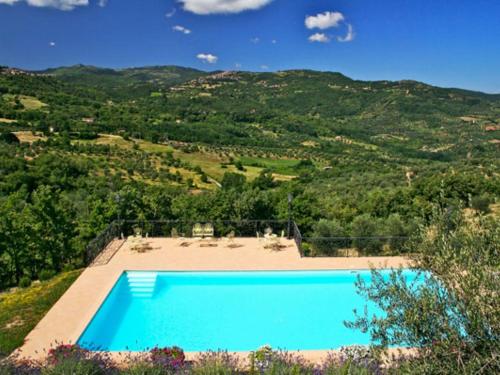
x: 451, y: 314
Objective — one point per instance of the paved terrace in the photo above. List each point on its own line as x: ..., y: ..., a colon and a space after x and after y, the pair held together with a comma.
x: 68, y: 318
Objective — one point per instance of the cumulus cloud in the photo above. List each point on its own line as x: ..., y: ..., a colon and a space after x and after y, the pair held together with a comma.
x: 264, y: 67
x: 324, y: 20
x: 181, y: 29
x: 319, y: 38
x: 58, y: 4
x: 349, y: 37
x: 52, y: 44
x: 103, y: 3
x: 222, y: 6
x: 255, y: 40
x: 207, y: 58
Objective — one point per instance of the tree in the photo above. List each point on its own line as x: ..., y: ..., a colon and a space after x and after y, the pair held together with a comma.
x: 233, y: 181
x: 264, y: 180
x: 9, y: 137
x: 51, y: 228
x: 239, y: 165
x: 14, y: 236
x: 364, y: 228
x: 395, y: 228
x: 451, y: 315
x: 326, y: 235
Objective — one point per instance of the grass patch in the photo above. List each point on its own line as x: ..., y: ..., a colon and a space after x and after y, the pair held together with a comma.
x: 29, y: 103
x: 21, y: 310
x: 279, y: 166
x: 28, y: 137
x: 154, y: 147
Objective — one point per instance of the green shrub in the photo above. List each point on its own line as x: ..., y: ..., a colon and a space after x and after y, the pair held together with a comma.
x: 46, y: 275
x: 239, y: 166
x: 142, y: 367
x: 481, y: 203
x: 71, y: 359
x: 24, y: 282
x: 74, y: 366
x: 271, y: 362
x: 216, y: 363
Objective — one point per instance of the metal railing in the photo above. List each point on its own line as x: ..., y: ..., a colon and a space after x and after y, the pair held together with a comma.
x: 171, y: 228
x: 222, y: 228
x: 98, y: 244
x: 307, y: 246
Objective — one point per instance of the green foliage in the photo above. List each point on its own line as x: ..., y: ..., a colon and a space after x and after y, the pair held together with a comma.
x: 46, y: 275
x: 452, y: 318
x: 9, y: 137
x: 481, y: 203
x: 323, y: 232
x: 216, y: 363
x: 233, y: 181
x: 24, y: 282
x: 364, y: 227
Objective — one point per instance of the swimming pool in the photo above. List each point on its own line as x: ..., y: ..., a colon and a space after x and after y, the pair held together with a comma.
x: 235, y: 311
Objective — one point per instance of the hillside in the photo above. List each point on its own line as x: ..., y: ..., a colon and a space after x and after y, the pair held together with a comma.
x: 124, y: 82
x: 260, y: 117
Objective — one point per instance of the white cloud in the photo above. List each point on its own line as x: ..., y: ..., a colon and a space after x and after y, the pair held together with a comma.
x: 52, y: 44
x: 222, y: 6
x: 103, y: 3
x: 171, y: 13
x: 237, y: 65
x: 264, y: 67
x: 58, y: 4
x: 324, y: 20
x: 181, y: 29
x: 274, y: 41
x: 349, y: 36
x: 207, y: 58
x: 255, y: 40
x: 319, y: 37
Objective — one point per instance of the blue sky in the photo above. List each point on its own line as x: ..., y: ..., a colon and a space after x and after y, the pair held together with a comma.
x: 451, y: 43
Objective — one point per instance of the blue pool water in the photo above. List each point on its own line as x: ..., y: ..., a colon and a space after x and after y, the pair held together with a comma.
x: 235, y: 311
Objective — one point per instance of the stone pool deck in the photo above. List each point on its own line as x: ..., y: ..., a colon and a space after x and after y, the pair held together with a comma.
x: 68, y: 318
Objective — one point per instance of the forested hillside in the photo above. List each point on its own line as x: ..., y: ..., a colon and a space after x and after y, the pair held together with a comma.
x: 81, y: 146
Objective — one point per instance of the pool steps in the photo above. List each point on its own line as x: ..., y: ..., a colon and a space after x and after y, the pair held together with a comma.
x: 142, y: 284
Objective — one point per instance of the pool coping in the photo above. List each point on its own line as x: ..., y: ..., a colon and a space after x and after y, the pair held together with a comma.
x: 68, y: 319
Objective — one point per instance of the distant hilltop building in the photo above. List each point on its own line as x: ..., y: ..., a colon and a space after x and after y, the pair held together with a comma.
x: 88, y: 120
x: 14, y: 71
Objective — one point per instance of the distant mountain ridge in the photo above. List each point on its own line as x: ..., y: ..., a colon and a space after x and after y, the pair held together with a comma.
x: 171, y: 75
x: 113, y: 80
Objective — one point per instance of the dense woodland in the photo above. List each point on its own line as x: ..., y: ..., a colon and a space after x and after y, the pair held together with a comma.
x: 83, y: 146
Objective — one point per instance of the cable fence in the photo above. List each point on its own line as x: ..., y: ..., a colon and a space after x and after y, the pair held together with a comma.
x: 353, y: 246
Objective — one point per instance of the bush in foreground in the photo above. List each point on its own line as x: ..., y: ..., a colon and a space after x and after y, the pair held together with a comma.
x: 452, y: 319
x: 73, y: 360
